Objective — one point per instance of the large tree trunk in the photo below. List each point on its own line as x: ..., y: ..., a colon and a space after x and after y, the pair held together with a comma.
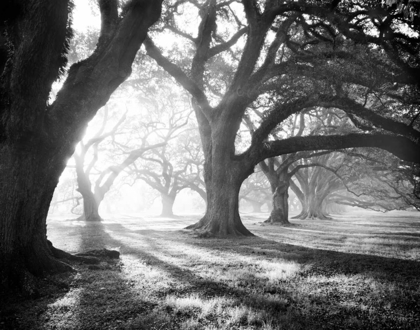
x: 222, y: 214
x: 90, y: 207
x: 37, y: 140
x: 224, y: 178
x: 167, y: 205
x: 280, y: 212
x: 28, y: 179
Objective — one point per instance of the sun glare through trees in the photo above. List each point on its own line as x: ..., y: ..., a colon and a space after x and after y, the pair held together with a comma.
x: 209, y: 164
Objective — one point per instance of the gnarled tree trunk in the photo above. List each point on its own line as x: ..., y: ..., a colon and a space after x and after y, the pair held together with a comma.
x: 224, y: 177
x: 222, y: 214
x: 27, y: 185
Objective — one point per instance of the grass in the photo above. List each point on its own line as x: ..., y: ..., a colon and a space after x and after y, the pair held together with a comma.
x: 359, y: 271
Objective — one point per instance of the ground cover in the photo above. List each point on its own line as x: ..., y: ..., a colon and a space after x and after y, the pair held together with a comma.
x: 358, y: 271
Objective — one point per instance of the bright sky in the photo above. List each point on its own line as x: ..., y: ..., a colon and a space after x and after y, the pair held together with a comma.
x: 83, y: 18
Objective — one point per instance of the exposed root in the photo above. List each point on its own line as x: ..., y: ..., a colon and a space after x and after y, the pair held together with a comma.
x: 112, y: 254
x: 91, y: 257
x: 277, y: 218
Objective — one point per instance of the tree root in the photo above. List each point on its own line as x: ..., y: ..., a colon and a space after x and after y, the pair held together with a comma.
x: 91, y: 257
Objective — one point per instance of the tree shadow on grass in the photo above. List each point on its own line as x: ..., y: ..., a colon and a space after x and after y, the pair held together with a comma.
x: 332, y: 290
x: 101, y: 296
x: 323, y: 304
x: 186, y: 284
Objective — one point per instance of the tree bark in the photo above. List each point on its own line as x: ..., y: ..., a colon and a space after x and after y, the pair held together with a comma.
x: 279, y: 182
x: 280, y: 212
x: 222, y: 217
x: 223, y: 183
x: 26, y: 192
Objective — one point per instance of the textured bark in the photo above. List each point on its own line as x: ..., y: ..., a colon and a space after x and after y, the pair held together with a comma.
x: 224, y: 177
x: 279, y: 179
x: 25, y: 193
x: 222, y: 217
x: 37, y: 140
x: 280, y: 212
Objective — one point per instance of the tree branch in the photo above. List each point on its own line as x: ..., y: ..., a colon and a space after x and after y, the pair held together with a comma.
x: 180, y: 77
x: 401, y: 147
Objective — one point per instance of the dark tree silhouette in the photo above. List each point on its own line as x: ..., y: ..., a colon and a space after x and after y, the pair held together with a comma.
x: 36, y: 137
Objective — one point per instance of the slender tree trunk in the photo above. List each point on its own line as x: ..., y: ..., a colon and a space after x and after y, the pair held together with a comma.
x: 301, y: 197
x: 167, y: 205
x: 90, y: 202
x: 304, y: 211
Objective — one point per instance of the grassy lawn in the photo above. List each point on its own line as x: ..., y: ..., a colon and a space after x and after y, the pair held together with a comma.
x: 358, y: 271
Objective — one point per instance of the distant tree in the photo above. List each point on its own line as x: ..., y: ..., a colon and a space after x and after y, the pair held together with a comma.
x: 37, y: 137
x: 280, y: 170
x: 166, y: 171
x: 315, y: 185
x: 256, y: 191
x: 65, y: 195
x: 193, y: 159
x: 105, y: 178
x: 376, y: 181
x: 369, y: 180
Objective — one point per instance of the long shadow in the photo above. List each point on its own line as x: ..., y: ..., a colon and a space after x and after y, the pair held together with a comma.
x: 323, y: 262
x: 334, y: 261
x: 93, y: 308
x: 205, y: 287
